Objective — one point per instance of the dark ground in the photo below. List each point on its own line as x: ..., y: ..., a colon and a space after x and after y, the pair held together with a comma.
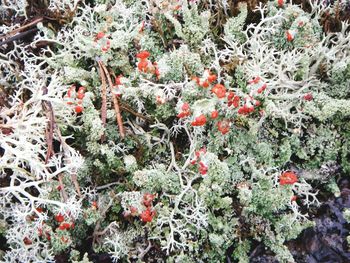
x: 326, y: 242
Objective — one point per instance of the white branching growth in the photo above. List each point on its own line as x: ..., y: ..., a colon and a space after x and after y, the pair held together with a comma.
x: 28, y: 161
x: 180, y: 222
x: 63, y: 5
x: 38, y: 251
x: 187, y: 213
x: 289, y: 74
x: 78, y: 40
x: 19, y: 6
x: 25, y: 144
x: 188, y: 150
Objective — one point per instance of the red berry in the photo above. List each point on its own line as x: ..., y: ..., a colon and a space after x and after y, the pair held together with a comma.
x: 143, y: 65
x: 224, y: 126
x: 81, y: 89
x: 200, y: 152
x: 100, y: 35
x: 185, y: 106
x: 250, y: 109
x: 64, y: 226
x: 290, y: 35
x: 243, y: 110
x: 308, y: 97
x: 147, y: 215
x: 212, y: 78
x: 107, y: 46
x: 143, y: 55
x: 39, y: 209
x: 197, y: 80
x: 156, y: 71
x: 288, y: 178
x: 255, y: 80
x: 262, y: 88
x: 214, y: 114
x: 133, y: 210
x: 64, y: 239
x: 27, y: 241
x: 78, y: 109
x: 118, y: 80
x: 205, y: 84
x: 233, y: 100
x: 199, y: 121
x: 230, y: 95
x: 203, y: 169
x: 183, y: 114
x: 80, y: 95
x: 185, y: 111
x: 236, y: 101
x: 70, y: 91
x: 148, y: 199
x: 59, y: 218
x: 219, y: 90
x: 94, y: 204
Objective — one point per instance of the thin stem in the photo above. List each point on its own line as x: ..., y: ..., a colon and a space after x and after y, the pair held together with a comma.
x: 104, y: 99
x: 127, y: 108
x: 63, y: 190
x: 115, y: 102
x: 34, y: 22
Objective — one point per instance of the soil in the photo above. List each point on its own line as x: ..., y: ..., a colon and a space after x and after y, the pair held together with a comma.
x: 324, y: 243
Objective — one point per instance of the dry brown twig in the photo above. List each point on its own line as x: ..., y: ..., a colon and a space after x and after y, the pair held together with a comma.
x: 124, y: 106
x: 49, y: 137
x: 22, y: 28
x: 127, y: 108
x: 63, y: 190
x: 115, y: 102
x: 104, y: 99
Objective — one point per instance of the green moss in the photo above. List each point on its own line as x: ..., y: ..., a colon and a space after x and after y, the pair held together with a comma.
x: 266, y: 199
x: 241, y: 251
x: 338, y: 87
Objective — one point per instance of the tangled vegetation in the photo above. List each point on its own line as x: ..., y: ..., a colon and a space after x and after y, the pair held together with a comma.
x: 169, y: 130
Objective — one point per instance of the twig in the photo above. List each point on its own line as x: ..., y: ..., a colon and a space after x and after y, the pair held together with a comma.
x: 102, y: 187
x: 102, y: 213
x: 34, y: 22
x: 76, y: 184
x: 127, y: 108
x: 159, y: 30
x: 115, y: 102
x: 49, y: 129
x: 49, y: 108
x: 63, y: 191
x: 104, y: 99
x: 19, y: 36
